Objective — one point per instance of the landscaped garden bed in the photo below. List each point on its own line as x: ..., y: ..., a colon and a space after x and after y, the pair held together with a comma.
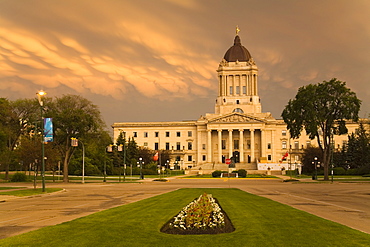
x: 202, y: 216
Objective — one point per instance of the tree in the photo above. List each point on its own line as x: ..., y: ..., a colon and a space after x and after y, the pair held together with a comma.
x: 16, y: 119
x: 357, y: 152
x: 322, y: 110
x: 73, y: 116
x: 308, y: 157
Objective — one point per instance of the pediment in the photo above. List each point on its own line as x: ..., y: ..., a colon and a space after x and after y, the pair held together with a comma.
x: 236, y: 118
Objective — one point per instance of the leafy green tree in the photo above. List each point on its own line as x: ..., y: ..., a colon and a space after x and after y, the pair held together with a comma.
x: 17, y: 118
x: 73, y: 116
x: 308, y: 157
x: 322, y: 110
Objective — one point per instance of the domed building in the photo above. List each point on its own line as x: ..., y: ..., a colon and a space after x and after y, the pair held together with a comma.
x: 238, y: 132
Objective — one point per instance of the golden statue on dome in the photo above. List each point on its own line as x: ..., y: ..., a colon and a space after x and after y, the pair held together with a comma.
x: 237, y: 30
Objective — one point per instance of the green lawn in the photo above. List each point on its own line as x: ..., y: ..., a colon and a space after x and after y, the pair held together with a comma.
x: 258, y: 222
x: 29, y: 192
x: 11, y: 188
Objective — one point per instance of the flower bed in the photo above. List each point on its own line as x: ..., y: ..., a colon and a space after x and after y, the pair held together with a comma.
x: 202, y: 216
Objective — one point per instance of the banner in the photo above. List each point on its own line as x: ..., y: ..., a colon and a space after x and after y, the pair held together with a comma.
x: 48, y: 129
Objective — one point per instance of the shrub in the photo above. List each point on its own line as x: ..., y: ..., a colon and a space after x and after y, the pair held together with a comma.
x: 242, y: 173
x: 19, y: 177
x: 352, y: 172
x: 216, y: 174
x: 339, y: 171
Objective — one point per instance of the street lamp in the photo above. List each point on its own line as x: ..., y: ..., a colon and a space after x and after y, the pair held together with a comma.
x: 119, y: 149
x: 316, y: 164
x: 74, y: 143
x: 140, y: 163
x: 40, y: 94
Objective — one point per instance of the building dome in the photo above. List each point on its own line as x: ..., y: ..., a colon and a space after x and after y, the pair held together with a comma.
x: 237, y: 52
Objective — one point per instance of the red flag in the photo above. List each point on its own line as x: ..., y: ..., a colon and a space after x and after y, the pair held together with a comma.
x: 155, y: 157
x: 285, y: 155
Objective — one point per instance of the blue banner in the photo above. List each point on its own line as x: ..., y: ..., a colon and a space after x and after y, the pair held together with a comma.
x: 48, y: 129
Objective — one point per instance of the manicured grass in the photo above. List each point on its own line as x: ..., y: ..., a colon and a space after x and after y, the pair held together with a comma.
x: 29, y: 192
x: 258, y: 222
x: 11, y: 188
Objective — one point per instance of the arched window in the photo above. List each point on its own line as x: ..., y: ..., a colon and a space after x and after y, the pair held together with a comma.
x: 238, y: 110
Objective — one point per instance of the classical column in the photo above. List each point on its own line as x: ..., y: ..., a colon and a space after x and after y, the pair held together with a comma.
x: 263, y: 144
x: 230, y: 143
x: 209, y: 146
x: 273, y: 145
x: 241, y: 146
x: 252, y: 145
x: 219, y: 146
x: 199, y: 146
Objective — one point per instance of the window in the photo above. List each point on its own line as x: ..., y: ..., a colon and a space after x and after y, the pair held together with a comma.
x: 237, y: 102
x: 156, y: 145
x: 268, y: 145
x: 249, y: 145
x: 145, y: 134
x: 204, y: 158
x: 283, y: 132
x: 223, y: 144
x: 244, y: 90
x: 190, y: 157
x: 238, y: 110
x: 269, y: 157
x: 156, y: 134
x: 237, y: 90
x: 167, y: 146
x: 231, y: 90
x: 190, y: 146
x: 308, y: 144
x: 145, y: 144
x: 178, y: 133
x: 167, y: 134
x: 296, y: 144
x: 283, y: 145
x: 135, y: 134
x: 178, y: 146
x: 190, y: 133
x: 204, y: 146
x: 236, y: 144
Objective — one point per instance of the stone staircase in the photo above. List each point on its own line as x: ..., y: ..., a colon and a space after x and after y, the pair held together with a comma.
x: 208, y: 168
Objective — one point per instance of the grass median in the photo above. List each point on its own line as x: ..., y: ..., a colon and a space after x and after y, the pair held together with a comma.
x: 258, y: 222
x: 29, y: 192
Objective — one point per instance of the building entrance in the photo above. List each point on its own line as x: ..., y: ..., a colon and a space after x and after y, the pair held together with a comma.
x: 236, y: 156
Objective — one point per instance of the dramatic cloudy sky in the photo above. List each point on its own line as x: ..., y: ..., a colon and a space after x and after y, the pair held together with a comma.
x: 146, y: 60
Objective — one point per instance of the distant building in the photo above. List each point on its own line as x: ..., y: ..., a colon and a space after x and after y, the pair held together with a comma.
x: 238, y: 130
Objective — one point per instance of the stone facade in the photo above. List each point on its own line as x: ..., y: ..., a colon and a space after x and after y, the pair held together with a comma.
x: 238, y: 129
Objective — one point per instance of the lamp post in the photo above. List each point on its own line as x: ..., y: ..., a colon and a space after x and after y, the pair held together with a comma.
x: 140, y: 163
x: 74, y: 143
x: 83, y: 162
x: 316, y: 164
x: 40, y: 94
x: 119, y: 149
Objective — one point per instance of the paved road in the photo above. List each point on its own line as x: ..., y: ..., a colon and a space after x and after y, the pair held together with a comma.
x: 345, y: 203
